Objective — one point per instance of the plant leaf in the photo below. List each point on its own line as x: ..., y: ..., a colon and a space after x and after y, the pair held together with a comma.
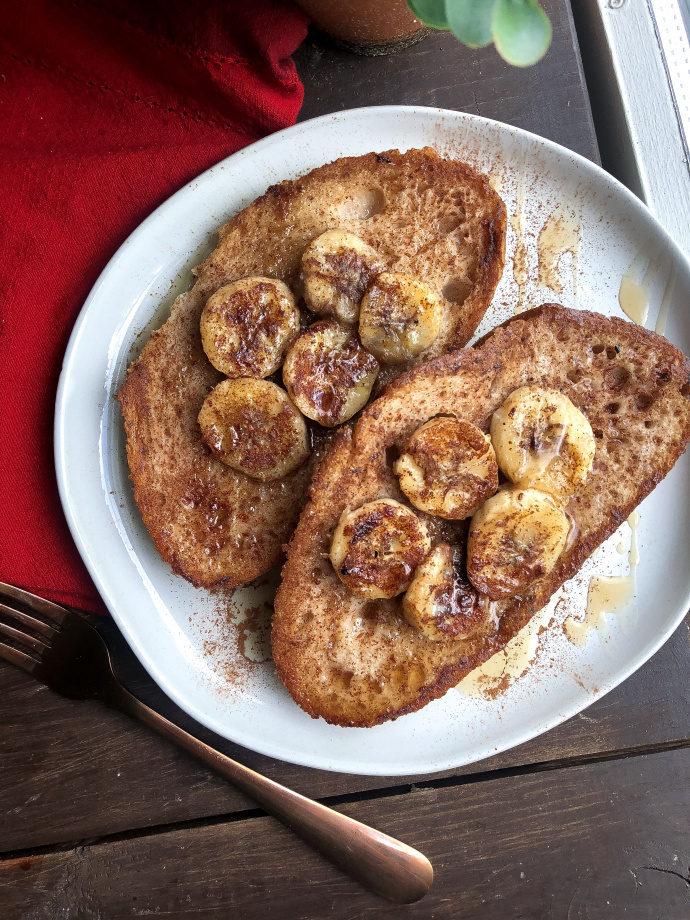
x: 521, y: 31
x: 470, y: 21
x: 430, y: 12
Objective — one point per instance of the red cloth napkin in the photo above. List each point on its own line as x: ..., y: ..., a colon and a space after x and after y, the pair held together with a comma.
x: 105, y: 110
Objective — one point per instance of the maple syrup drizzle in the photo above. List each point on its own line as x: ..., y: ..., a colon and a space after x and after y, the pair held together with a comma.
x: 520, y: 264
x: 559, y: 235
x: 608, y: 594
x: 493, y: 677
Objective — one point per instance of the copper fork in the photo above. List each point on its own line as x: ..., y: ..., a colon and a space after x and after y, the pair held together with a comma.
x: 60, y: 648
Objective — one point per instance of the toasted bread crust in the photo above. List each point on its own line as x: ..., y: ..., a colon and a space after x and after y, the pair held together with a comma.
x: 357, y: 663
x: 434, y: 218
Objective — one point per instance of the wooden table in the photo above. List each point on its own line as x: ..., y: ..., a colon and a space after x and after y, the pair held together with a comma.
x: 101, y: 819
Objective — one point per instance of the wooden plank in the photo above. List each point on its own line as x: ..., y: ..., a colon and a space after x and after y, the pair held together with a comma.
x: 75, y: 770
x: 597, y: 841
x: 549, y: 99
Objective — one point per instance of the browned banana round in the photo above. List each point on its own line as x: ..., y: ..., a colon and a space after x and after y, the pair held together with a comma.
x: 448, y: 468
x: 543, y: 441
x: 377, y: 547
x: 399, y: 318
x: 328, y: 374
x: 247, y: 326
x: 337, y: 268
x: 515, y: 539
x: 252, y: 426
x: 441, y: 603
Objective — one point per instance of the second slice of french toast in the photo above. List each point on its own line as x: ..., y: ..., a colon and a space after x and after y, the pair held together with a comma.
x: 357, y: 661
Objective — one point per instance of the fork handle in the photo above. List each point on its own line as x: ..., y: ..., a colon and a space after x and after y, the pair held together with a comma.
x: 379, y: 862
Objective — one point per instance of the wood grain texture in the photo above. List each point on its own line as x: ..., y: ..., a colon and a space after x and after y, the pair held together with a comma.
x: 584, y: 843
x: 71, y: 771
x: 549, y: 99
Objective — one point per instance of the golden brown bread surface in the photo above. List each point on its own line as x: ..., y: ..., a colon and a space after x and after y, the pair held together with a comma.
x: 356, y: 662
x: 434, y: 218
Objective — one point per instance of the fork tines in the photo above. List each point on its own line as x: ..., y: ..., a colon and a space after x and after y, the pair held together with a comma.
x: 37, y: 604
x: 33, y: 644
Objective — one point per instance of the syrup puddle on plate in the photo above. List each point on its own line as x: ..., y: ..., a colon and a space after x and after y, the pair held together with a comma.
x: 609, y: 594
x: 633, y: 295
x: 639, y: 281
x: 496, y: 182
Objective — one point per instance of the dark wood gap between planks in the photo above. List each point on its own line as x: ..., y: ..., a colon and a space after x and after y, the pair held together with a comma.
x: 370, y: 795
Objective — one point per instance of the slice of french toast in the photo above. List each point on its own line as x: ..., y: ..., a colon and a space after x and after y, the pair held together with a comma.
x: 355, y: 661
x: 435, y: 219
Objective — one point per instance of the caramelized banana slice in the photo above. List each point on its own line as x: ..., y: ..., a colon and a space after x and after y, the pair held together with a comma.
x: 337, y: 268
x: 252, y: 426
x: 543, y: 441
x: 376, y: 548
x: 441, y: 603
x: 515, y: 539
x: 246, y: 326
x: 399, y: 318
x: 448, y: 468
x: 328, y: 374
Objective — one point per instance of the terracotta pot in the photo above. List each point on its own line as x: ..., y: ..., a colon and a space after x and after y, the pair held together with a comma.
x: 366, y: 26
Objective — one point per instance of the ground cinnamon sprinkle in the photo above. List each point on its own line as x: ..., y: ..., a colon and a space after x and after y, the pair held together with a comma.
x: 236, y: 633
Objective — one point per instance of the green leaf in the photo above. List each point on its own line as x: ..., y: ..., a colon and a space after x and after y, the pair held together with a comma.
x: 521, y: 31
x: 470, y: 21
x: 430, y: 12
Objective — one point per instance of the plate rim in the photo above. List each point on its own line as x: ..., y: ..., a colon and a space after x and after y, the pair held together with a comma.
x: 275, y: 139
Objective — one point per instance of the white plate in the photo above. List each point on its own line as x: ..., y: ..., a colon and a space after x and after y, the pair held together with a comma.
x: 180, y: 634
